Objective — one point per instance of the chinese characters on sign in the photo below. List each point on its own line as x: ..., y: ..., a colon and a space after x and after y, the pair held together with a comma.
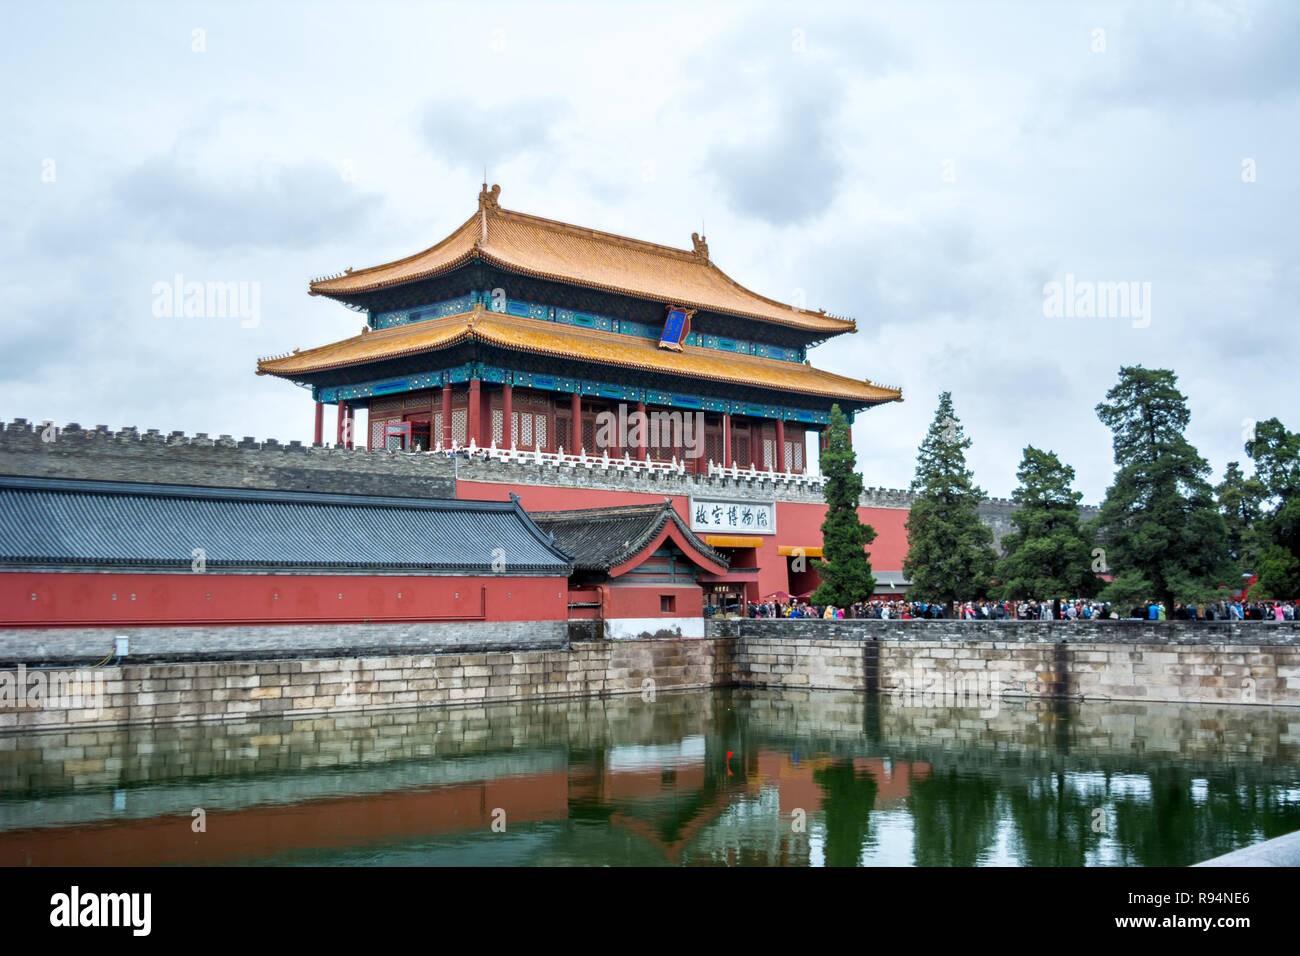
x: 729, y: 515
x: 676, y: 328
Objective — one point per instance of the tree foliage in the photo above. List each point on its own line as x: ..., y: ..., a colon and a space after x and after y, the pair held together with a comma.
x: 1164, y: 535
x: 950, y: 551
x: 1241, y: 503
x: 845, y: 570
x: 1050, y: 553
x: 1276, y: 532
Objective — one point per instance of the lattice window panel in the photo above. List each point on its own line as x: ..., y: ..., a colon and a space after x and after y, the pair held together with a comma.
x: 460, y: 426
x: 562, y: 432
x: 524, y: 431
x: 498, y: 427
x: 377, y: 433
x: 769, y: 452
x: 740, y: 450
x: 435, y: 430
x: 797, y: 458
x: 589, y: 435
x: 713, y: 447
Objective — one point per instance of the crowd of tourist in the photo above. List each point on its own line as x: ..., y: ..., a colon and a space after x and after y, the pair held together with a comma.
x: 1228, y: 609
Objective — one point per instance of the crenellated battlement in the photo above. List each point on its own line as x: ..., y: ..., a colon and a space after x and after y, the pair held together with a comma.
x: 129, y: 454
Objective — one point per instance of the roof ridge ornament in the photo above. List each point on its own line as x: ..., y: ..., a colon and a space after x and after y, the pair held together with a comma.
x: 487, y: 200
x: 701, y: 246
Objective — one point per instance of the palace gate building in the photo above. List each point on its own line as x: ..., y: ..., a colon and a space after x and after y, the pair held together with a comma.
x: 602, y: 363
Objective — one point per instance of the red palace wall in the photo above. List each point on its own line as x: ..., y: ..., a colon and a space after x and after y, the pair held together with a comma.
x: 797, y: 524
x: 78, y: 599
x: 643, y: 600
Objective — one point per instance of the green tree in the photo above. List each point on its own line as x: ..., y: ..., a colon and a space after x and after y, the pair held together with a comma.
x: 1049, y: 553
x: 1240, y: 502
x: 949, y: 550
x: 1164, y: 535
x: 1276, y: 454
x: 845, y: 571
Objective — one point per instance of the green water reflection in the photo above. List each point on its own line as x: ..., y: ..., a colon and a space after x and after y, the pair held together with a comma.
x: 813, y: 778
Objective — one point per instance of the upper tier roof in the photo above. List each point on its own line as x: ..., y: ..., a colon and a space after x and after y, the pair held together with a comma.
x: 572, y: 342
x: 566, y: 253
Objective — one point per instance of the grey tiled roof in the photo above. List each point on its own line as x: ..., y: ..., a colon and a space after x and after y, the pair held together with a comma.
x: 71, y: 523
x: 602, y: 538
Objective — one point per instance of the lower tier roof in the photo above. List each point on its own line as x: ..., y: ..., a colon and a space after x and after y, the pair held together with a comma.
x: 611, y: 539
x: 541, y: 337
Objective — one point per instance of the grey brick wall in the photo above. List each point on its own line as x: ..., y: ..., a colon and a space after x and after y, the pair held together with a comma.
x: 129, y: 455
x: 80, y: 646
x: 1111, y: 632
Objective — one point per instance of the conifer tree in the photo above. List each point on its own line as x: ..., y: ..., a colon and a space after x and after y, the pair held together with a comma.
x: 1276, y: 453
x: 1240, y: 502
x: 1163, y: 534
x: 949, y: 550
x: 1050, y: 553
x: 845, y: 570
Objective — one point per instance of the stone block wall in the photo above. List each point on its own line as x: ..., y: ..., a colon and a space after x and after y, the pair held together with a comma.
x: 1235, y: 663
x: 184, y: 692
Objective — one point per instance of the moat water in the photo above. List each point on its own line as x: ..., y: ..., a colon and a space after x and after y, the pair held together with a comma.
x: 727, y: 778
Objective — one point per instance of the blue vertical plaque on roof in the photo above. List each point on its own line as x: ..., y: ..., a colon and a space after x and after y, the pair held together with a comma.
x: 676, y: 328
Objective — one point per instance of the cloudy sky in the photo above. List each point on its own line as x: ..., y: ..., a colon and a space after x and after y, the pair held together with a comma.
x: 925, y: 168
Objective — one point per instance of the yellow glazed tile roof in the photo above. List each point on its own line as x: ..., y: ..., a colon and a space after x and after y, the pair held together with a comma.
x: 566, y: 341
x: 556, y: 250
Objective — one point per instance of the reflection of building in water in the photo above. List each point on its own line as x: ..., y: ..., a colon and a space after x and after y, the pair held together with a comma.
x: 619, y: 780
x: 674, y: 798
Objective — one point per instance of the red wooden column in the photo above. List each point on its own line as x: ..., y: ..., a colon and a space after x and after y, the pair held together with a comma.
x: 485, y: 418
x: 318, y: 434
x: 645, y: 427
x: 476, y: 411
x: 351, y: 429
x: 343, y: 416
x: 780, y: 445
x: 575, y: 425
x: 446, y: 416
x: 507, y: 432
x: 726, y: 439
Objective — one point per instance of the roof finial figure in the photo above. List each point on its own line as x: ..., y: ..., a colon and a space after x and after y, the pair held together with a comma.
x: 488, y: 197
x: 701, y: 245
